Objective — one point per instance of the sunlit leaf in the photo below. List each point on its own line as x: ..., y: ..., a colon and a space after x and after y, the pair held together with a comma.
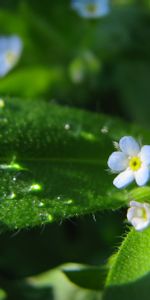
x: 53, y: 162
x: 129, y: 275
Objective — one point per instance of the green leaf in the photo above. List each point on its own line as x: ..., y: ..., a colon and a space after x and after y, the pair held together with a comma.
x: 87, y: 277
x: 129, y: 275
x: 53, y: 162
x: 141, y: 194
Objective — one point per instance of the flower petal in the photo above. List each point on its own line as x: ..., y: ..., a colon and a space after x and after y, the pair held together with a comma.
x: 142, y: 176
x: 123, y: 179
x: 130, y: 213
x: 91, y: 8
x: 147, y: 208
x: 136, y: 204
x: 145, y: 154
x: 139, y: 224
x: 117, y: 161
x: 129, y: 146
x: 4, y: 68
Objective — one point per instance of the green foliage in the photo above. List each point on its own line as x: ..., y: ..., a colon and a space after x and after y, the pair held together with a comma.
x: 119, y: 53
x: 129, y: 269
x: 53, y: 159
x: 53, y: 163
x: 141, y: 194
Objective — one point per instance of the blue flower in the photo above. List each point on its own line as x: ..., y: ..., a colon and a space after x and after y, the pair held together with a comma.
x: 91, y: 8
x: 10, y: 52
x: 131, y: 162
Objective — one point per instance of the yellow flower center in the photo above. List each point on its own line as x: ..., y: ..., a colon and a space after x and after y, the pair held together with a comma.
x: 11, y: 57
x: 141, y: 213
x: 135, y: 163
x: 91, y: 8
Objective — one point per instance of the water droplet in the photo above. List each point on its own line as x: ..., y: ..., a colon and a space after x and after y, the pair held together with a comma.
x: 14, y: 178
x: 35, y: 187
x: 50, y: 218
x: 59, y: 197
x: 67, y: 126
x: 46, y: 217
x: 104, y: 129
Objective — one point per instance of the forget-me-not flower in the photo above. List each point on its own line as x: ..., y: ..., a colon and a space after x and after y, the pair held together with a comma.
x: 131, y: 161
x: 10, y: 52
x: 139, y: 215
x: 91, y: 8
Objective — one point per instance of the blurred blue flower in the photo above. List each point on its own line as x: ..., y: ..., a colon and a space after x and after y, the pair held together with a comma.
x: 10, y: 52
x: 91, y: 8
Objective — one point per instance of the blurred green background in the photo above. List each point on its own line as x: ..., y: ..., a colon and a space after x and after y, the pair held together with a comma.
x: 102, y: 65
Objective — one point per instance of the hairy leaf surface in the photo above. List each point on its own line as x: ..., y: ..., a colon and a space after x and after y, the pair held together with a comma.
x: 53, y: 162
x: 129, y: 273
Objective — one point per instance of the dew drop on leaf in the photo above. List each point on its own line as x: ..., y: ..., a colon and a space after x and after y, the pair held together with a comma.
x: 46, y: 217
x: 35, y: 187
x: 50, y: 218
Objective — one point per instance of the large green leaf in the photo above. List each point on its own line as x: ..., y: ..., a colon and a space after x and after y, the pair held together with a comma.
x: 129, y: 275
x: 54, y: 162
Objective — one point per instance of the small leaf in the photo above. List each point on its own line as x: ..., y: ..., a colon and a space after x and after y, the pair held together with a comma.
x: 87, y: 277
